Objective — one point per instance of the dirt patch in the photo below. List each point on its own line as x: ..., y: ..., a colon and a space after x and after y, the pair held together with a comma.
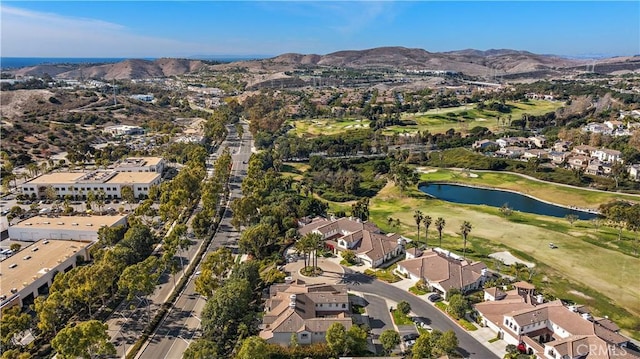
x: 579, y: 294
x: 509, y: 259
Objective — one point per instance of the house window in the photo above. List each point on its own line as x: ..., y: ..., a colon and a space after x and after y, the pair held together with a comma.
x: 304, y: 335
x: 344, y: 305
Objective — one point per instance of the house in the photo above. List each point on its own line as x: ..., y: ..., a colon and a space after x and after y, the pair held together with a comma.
x: 483, y: 144
x: 562, y: 146
x: 607, y: 155
x: 558, y: 157
x: 549, y: 330
x: 578, y: 161
x: 444, y: 271
x: 534, y: 153
x: 614, y: 125
x: 306, y: 311
x: 597, y: 127
x: 538, y: 141
x: 370, y: 245
x: 583, y: 150
x: 512, y: 141
x: 634, y: 171
x: 123, y: 130
x: 511, y: 151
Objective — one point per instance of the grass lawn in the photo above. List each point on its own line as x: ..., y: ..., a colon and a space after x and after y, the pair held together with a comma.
x: 417, y: 291
x: 400, y: 319
x: 464, y: 118
x: 383, y: 274
x: 563, y: 195
x: 603, y: 273
x: 327, y: 126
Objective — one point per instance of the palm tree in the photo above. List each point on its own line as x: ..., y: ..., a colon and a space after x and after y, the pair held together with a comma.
x: 465, y: 228
x: 418, y: 216
x: 427, y: 223
x: 439, y: 226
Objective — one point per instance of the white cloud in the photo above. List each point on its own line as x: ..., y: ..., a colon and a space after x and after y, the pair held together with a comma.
x: 27, y: 33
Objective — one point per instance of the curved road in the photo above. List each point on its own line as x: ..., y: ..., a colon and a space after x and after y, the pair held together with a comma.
x: 468, y: 346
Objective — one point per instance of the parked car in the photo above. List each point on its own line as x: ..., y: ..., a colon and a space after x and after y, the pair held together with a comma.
x: 435, y: 297
x: 409, y: 337
x: 552, y: 246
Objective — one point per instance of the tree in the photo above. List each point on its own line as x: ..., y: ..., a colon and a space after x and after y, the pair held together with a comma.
x: 404, y: 307
x: 440, y: 223
x: 230, y: 308
x: 336, y: 338
x: 571, y: 218
x: 215, y: 269
x: 86, y: 339
x: 201, y: 349
x: 126, y: 193
x: 349, y: 256
x: 465, y: 228
x: 12, y: 322
x: 403, y: 175
x: 253, y: 348
x: 447, y: 343
x: 140, y: 279
x: 418, y: 216
x: 458, y: 306
x: 257, y: 240
x: 15, y: 247
x: 422, y: 347
x: 357, y: 339
x: 427, y: 220
x: 389, y: 340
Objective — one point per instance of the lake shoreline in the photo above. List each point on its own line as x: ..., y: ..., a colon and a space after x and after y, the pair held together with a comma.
x: 454, y: 183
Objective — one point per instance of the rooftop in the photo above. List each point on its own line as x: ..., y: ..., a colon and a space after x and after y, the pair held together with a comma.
x: 94, y: 177
x: 18, y: 272
x: 70, y: 222
x: 138, y: 162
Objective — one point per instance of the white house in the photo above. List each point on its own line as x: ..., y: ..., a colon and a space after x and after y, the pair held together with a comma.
x: 607, y: 155
x: 634, y: 171
x: 123, y: 130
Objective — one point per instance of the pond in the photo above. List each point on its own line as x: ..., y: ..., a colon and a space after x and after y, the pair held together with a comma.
x: 496, y: 198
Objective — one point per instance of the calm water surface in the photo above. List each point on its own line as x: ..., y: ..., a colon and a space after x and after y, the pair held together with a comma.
x: 495, y: 198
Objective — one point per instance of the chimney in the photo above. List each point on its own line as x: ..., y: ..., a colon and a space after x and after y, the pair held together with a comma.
x: 540, y: 298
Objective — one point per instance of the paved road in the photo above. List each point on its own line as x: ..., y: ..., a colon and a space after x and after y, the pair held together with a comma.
x: 182, y: 323
x: 468, y: 346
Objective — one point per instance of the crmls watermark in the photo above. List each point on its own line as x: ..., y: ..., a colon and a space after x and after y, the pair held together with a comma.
x: 599, y: 349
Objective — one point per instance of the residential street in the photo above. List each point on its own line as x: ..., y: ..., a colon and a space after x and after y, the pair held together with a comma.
x: 468, y: 346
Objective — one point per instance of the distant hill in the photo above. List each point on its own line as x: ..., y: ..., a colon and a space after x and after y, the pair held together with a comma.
x: 488, y: 63
x: 471, y: 62
x: 127, y: 69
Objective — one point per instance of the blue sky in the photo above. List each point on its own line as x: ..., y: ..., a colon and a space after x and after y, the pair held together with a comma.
x: 182, y: 29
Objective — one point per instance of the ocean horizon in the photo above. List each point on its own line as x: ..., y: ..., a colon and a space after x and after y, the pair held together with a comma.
x: 19, y: 62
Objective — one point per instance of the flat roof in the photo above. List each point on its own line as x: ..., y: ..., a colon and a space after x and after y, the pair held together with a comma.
x: 57, y: 177
x: 139, y: 161
x: 113, y: 177
x: 134, y: 177
x: 82, y: 223
x: 43, y: 260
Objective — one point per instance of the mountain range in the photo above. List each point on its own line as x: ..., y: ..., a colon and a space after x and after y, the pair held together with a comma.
x: 500, y: 62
